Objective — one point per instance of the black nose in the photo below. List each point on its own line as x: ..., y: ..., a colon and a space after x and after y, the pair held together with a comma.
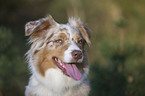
x: 76, y: 54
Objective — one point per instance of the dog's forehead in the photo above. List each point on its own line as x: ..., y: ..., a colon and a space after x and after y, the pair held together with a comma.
x: 68, y: 30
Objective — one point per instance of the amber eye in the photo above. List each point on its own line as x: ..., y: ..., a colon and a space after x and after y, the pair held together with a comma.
x: 80, y: 41
x: 59, y: 41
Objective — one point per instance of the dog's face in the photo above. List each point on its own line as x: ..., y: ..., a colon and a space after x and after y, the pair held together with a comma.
x: 58, y: 46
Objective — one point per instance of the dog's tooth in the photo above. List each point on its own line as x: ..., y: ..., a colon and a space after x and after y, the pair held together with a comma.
x: 59, y: 61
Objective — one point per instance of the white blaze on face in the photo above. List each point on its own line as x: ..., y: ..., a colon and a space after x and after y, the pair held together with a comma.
x: 73, y: 46
x: 68, y: 54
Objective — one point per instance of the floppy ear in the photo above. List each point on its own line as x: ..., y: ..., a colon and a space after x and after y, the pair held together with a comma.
x: 85, y: 33
x: 37, y: 28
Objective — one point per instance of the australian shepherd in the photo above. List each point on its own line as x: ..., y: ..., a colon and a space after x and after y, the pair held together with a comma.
x: 57, y: 58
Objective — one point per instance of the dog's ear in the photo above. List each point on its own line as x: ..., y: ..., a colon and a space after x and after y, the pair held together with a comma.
x: 37, y: 28
x: 85, y: 32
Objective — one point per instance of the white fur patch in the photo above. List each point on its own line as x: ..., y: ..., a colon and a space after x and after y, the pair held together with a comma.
x: 68, y: 56
x: 54, y: 82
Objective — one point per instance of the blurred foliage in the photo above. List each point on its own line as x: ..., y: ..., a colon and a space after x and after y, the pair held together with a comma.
x: 118, y: 48
x: 120, y: 76
x: 11, y: 66
x: 5, y: 38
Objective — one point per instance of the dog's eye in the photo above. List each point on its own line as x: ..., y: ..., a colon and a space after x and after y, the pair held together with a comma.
x: 59, y: 41
x: 80, y: 41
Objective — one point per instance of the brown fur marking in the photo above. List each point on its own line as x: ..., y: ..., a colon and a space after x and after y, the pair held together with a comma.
x: 63, y: 36
x: 63, y: 29
x: 39, y: 31
x: 77, y: 37
x: 45, y: 58
x: 84, y: 34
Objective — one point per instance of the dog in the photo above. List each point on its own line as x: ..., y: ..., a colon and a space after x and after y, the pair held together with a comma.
x: 57, y: 58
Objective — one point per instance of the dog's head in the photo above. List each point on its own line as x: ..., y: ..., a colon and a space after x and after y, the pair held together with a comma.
x: 58, y: 46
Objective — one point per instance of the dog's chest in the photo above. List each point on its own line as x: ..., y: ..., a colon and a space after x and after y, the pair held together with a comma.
x: 54, y: 82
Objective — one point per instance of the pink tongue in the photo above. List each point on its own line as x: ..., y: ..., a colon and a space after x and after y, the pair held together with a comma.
x: 73, y: 71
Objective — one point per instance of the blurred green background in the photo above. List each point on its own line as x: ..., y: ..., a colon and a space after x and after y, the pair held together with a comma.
x: 117, y: 64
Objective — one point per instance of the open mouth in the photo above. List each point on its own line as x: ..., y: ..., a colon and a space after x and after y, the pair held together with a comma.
x: 69, y: 69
